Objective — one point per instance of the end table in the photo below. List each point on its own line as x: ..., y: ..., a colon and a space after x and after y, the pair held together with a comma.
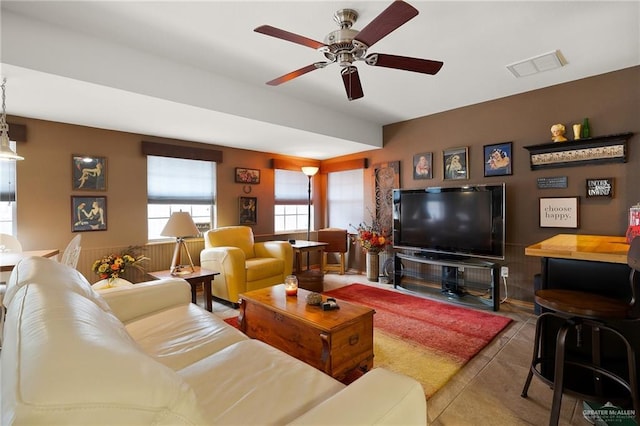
x: 204, y: 276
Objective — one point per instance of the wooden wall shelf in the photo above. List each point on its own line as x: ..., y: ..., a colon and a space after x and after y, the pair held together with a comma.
x: 596, y: 150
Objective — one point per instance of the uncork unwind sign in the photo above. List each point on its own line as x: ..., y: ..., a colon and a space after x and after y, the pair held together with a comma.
x: 559, y: 212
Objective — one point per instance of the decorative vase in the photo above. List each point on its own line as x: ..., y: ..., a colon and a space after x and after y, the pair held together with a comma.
x: 586, y: 129
x: 373, y: 266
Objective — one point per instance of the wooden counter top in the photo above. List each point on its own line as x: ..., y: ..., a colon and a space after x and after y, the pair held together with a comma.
x: 8, y: 260
x: 597, y: 248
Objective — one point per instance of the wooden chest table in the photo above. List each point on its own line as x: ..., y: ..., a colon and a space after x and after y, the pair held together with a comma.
x: 335, y: 342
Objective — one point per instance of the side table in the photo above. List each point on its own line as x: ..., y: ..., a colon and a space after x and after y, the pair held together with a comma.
x: 204, y: 276
x: 309, y: 279
x: 303, y: 246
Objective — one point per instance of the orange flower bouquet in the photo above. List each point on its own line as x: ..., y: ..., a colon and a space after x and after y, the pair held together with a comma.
x: 112, y: 266
x: 373, y: 238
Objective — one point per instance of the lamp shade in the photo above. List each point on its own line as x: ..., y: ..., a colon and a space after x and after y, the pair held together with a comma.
x: 309, y: 170
x: 179, y: 225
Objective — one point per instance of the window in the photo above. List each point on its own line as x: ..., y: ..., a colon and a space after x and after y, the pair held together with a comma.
x: 177, y: 184
x: 345, y: 198
x: 8, y: 195
x: 291, y: 201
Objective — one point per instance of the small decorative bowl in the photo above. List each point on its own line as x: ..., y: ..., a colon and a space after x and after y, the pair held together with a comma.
x: 314, y: 299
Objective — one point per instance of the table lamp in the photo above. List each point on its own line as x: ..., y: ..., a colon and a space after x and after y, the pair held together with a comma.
x: 180, y: 225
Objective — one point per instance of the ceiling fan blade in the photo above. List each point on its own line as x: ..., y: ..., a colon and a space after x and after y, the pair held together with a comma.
x: 352, y: 84
x: 297, y: 73
x: 424, y: 66
x: 286, y: 35
x: 394, y: 16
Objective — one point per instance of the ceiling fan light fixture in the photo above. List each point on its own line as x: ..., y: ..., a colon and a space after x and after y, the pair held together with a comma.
x: 537, y: 64
x: 346, y: 46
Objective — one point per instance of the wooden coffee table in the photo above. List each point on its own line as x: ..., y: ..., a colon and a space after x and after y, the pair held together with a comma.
x: 335, y: 342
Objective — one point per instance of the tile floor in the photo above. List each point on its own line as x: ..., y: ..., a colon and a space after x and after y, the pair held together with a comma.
x: 487, y: 390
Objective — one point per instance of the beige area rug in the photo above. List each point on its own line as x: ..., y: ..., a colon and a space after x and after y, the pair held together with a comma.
x: 431, y: 370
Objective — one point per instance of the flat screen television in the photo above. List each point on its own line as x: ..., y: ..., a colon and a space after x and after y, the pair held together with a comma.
x: 455, y: 222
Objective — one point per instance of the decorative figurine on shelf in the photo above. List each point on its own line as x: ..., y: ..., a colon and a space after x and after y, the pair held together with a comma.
x: 557, y: 132
x: 586, y: 129
x: 577, y: 131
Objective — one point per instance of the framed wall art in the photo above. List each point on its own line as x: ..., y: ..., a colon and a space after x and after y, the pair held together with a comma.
x: 455, y: 163
x: 560, y: 212
x: 247, y: 175
x: 600, y: 187
x: 248, y: 208
x: 498, y: 159
x: 88, y: 214
x: 88, y: 173
x: 423, y: 166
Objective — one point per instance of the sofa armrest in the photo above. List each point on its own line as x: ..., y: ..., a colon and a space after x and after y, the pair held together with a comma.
x: 128, y: 303
x: 378, y: 397
x: 278, y: 249
x: 232, y: 265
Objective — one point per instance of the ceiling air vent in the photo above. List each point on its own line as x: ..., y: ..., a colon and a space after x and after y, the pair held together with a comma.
x: 537, y: 64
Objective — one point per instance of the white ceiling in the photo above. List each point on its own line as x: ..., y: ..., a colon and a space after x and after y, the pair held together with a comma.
x: 196, y: 70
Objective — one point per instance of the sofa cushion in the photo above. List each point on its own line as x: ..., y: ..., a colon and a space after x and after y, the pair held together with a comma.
x: 260, y: 268
x: 257, y: 384
x: 43, y: 270
x: 71, y: 362
x: 180, y: 336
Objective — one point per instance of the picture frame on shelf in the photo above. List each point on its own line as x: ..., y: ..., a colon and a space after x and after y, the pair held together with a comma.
x: 455, y: 164
x: 248, y: 210
x: 88, y: 213
x: 423, y: 166
x: 88, y: 173
x: 498, y: 159
x: 560, y: 212
x: 247, y: 176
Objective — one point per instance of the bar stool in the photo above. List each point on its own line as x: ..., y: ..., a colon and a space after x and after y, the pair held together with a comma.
x: 575, y: 311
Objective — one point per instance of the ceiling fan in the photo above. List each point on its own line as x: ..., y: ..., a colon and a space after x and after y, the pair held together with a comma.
x: 346, y: 45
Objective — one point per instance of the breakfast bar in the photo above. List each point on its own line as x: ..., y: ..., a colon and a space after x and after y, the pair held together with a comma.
x: 586, y: 263
x: 594, y: 263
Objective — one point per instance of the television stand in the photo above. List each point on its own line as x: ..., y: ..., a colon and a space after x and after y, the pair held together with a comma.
x: 481, y: 290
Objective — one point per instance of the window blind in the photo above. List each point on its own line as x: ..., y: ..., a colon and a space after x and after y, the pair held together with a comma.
x: 345, y: 198
x: 180, y: 181
x: 8, y: 178
x: 291, y: 187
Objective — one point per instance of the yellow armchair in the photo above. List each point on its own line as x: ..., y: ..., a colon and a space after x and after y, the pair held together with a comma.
x: 244, y: 265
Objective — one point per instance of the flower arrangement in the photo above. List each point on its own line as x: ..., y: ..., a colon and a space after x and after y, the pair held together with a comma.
x: 373, y: 238
x: 112, y: 266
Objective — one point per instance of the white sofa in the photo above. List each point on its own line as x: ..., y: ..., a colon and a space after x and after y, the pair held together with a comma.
x: 146, y: 355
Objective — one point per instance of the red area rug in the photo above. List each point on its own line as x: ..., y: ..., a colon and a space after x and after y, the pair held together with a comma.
x: 453, y: 331
x: 425, y: 339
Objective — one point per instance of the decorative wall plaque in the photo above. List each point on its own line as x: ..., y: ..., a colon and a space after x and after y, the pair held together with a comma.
x: 601, y: 187
x: 552, y: 182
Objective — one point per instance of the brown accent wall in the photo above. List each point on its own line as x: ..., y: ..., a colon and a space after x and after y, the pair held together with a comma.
x: 610, y: 101
x: 612, y: 104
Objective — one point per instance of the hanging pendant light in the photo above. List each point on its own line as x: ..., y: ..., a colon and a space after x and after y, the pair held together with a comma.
x: 6, y: 153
